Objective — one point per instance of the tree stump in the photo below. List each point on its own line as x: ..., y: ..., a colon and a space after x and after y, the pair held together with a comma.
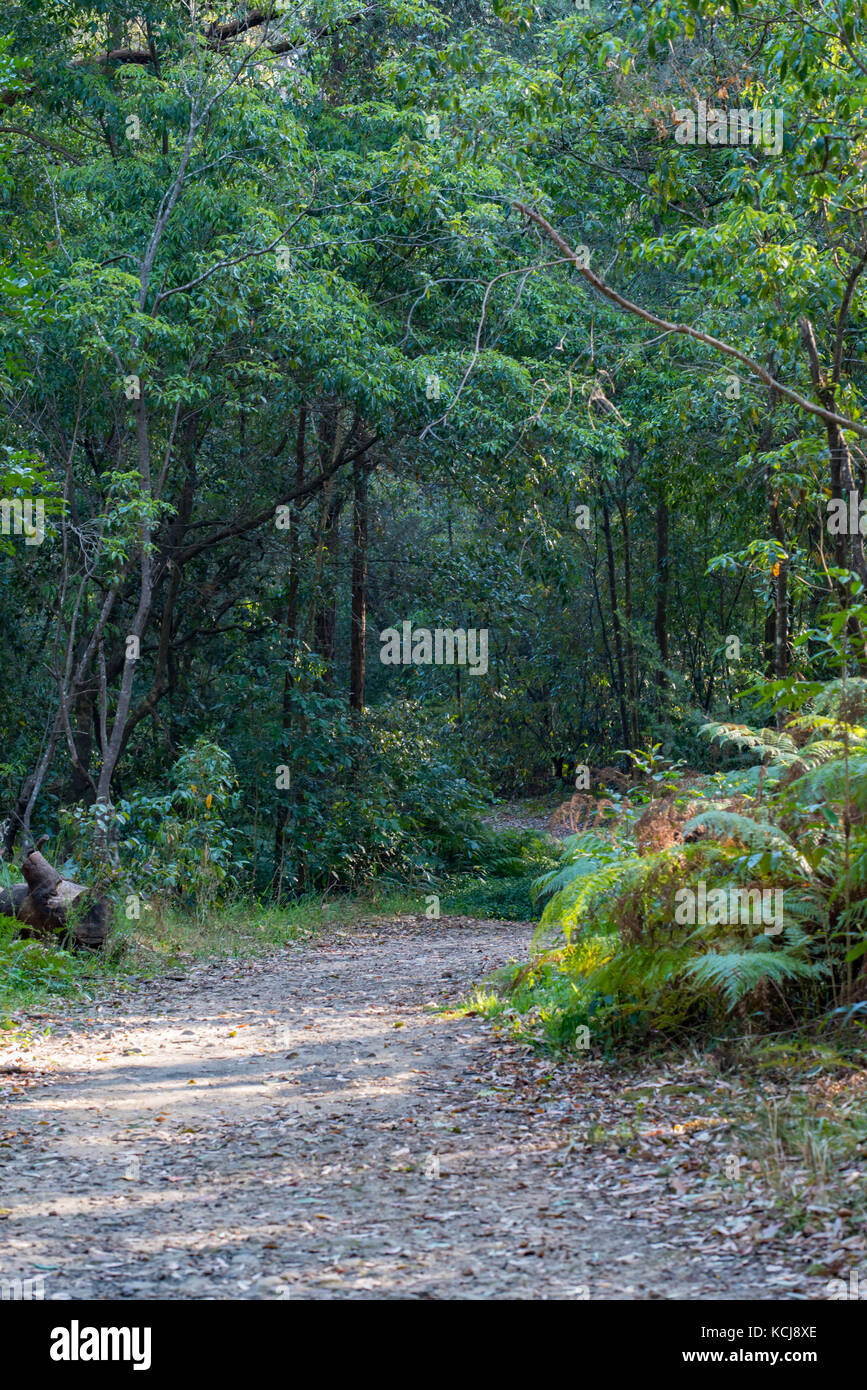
x: 50, y: 904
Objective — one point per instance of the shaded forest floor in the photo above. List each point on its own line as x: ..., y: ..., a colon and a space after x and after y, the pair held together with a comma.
x: 329, y: 1120
x: 530, y: 814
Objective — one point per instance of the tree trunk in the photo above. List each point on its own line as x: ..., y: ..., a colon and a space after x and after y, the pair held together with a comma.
x: 660, y: 615
x: 290, y: 634
x: 82, y: 733
x: 358, y: 651
x: 769, y: 643
x: 631, y: 673
x: 52, y: 903
x: 779, y: 630
x: 842, y: 481
x: 458, y: 696
x: 325, y: 588
x: 113, y: 742
x: 615, y: 624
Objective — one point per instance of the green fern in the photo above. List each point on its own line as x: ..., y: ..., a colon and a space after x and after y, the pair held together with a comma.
x: 837, y: 729
x: 594, y: 869
x: 583, y: 853
x: 829, y: 782
x: 738, y: 973
x: 853, y: 916
x: 639, y: 971
x: 841, y: 699
x: 774, y: 746
x: 857, y: 868
x: 752, y: 833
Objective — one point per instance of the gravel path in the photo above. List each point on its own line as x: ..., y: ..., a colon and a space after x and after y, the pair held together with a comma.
x: 311, y: 1124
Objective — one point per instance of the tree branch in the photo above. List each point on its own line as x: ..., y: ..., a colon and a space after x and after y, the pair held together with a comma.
x: 843, y: 316
x: 755, y: 367
x: 249, y: 523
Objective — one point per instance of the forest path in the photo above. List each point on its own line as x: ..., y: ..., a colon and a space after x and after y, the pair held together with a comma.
x: 305, y: 1124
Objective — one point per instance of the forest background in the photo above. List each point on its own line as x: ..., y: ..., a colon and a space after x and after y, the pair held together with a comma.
x: 323, y: 320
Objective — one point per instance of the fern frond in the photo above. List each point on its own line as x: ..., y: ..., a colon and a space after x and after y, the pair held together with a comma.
x: 858, y: 868
x: 808, y: 905
x: 582, y: 853
x: 823, y: 750
x: 636, y: 969
x: 594, y: 869
x: 855, y: 915
x: 842, y: 699
x: 828, y: 782
x: 856, y: 734
x: 773, y: 745
x: 757, y: 836
x: 737, y: 973
x: 731, y: 825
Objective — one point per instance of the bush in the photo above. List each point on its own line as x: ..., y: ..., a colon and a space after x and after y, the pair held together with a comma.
x: 795, y: 823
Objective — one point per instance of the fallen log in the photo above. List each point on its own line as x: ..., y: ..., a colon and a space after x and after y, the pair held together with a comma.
x: 50, y: 904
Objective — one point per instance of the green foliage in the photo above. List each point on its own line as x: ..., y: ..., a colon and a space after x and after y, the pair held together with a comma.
x: 182, y: 842
x: 304, y: 289
x: 504, y: 878
x: 737, y: 974
x: 593, y: 869
x: 776, y: 747
x: 754, y: 834
x: 667, y: 972
x: 185, y: 840
x: 31, y: 968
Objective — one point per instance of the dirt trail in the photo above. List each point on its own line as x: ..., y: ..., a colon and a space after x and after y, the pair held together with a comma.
x: 307, y: 1125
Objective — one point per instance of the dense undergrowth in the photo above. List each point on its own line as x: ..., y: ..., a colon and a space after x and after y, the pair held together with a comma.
x: 710, y: 907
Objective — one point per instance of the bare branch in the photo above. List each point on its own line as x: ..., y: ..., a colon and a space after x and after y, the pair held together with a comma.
x: 823, y: 412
